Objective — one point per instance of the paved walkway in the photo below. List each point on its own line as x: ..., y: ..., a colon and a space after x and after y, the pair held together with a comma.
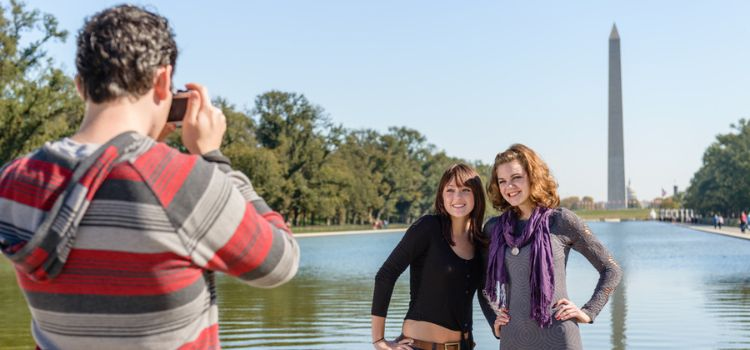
x: 731, y: 231
x: 337, y: 233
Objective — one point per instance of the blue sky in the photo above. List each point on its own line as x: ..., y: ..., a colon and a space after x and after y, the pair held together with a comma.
x: 474, y: 77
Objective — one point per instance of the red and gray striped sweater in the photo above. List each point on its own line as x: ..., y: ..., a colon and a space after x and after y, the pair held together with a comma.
x: 138, y: 273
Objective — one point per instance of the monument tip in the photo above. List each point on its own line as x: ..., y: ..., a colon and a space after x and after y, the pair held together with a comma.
x: 614, y: 35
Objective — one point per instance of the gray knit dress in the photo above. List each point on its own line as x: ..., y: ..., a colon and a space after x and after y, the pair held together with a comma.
x: 567, y: 231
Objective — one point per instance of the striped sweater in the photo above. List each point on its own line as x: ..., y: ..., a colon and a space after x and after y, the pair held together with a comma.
x: 144, y: 239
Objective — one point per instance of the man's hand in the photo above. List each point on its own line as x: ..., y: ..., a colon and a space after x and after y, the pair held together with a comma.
x: 168, y: 129
x: 204, y: 125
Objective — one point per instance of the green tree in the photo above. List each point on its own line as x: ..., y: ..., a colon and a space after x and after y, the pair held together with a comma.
x: 722, y: 183
x: 586, y: 203
x: 241, y: 128
x: 485, y: 173
x: 571, y: 203
x: 241, y: 147
x: 404, y: 150
x: 670, y: 203
x: 37, y: 101
x: 301, y: 137
x: 361, y: 173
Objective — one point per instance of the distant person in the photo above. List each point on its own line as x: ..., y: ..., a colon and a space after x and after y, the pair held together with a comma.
x: 716, y: 221
x: 442, y: 252
x: 114, y: 236
x: 720, y: 221
x: 528, y: 253
x: 743, y: 221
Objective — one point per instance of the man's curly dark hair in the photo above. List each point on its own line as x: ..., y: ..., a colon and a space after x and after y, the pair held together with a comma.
x: 119, y: 50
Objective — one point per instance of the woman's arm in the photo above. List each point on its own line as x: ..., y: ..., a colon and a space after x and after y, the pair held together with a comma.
x: 586, y: 243
x: 378, y: 329
x: 413, y: 245
x: 489, y: 314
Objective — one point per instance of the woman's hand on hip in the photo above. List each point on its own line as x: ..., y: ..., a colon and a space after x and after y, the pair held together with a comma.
x: 566, y: 310
x: 403, y: 344
x: 502, y: 319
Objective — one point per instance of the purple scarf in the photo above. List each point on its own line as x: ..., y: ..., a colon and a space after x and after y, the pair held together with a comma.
x: 542, y: 279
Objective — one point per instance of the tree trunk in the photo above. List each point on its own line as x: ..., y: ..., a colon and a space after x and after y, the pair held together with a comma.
x: 342, y: 216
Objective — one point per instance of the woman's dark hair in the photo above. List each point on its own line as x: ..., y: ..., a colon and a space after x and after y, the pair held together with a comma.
x: 464, y: 175
x: 119, y: 50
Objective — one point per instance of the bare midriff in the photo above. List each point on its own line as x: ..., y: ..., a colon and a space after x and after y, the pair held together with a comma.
x: 428, y: 331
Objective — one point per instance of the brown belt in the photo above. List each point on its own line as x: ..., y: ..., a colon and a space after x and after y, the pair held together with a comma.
x: 428, y: 345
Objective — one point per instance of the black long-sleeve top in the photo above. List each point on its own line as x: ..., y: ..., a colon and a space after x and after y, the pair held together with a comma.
x: 442, y: 284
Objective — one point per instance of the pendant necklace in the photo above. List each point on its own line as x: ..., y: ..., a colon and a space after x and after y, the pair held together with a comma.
x: 515, y: 241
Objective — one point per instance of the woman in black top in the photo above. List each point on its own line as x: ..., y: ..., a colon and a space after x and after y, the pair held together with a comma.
x: 442, y: 252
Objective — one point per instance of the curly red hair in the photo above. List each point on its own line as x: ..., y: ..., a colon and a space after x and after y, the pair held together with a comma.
x: 542, y: 184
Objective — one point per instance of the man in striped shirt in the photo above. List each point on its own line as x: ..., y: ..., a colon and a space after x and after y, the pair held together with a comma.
x: 114, y: 236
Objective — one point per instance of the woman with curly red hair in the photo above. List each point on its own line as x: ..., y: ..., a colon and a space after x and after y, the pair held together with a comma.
x: 529, y: 247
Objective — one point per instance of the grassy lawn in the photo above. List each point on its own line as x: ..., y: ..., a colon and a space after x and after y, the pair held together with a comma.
x: 337, y: 228
x: 625, y: 214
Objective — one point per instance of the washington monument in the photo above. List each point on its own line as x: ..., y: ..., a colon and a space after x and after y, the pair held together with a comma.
x: 616, y: 169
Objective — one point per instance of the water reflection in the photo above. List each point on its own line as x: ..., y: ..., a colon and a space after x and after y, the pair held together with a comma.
x: 618, y: 300
x: 308, y: 313
x: 619, y: 307
x: 327, y: 306
x: 728, y: 299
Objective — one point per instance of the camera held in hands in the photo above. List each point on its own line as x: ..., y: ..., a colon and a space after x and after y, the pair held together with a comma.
x: 179, y: 107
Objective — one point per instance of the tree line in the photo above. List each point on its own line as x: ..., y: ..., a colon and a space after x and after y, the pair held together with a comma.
x: 305, y: 166
x: 314, y: 171
x: 722, y: 183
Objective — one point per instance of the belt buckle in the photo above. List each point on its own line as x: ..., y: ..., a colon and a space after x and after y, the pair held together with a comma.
x: 452, y: 346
